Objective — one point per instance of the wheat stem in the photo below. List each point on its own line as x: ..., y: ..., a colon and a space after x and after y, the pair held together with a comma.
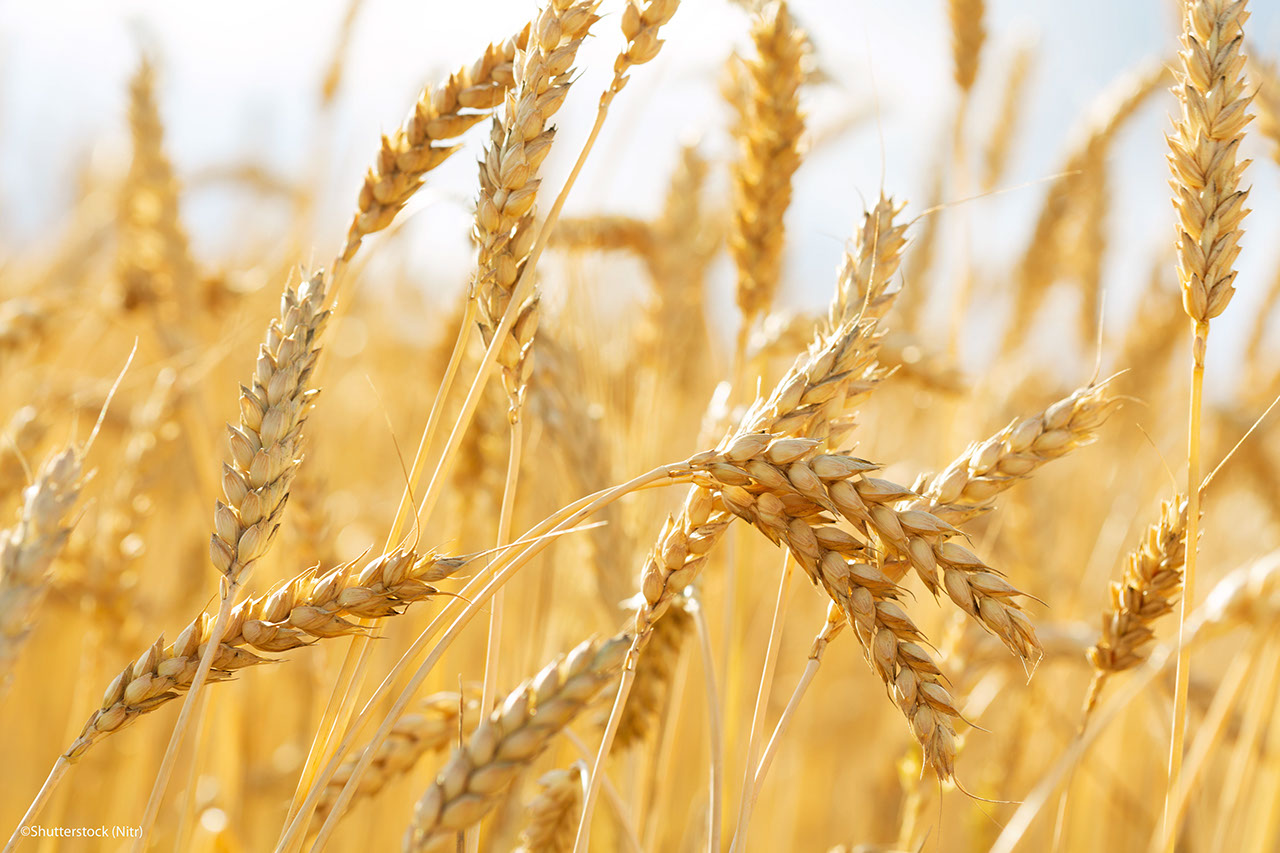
x: 1200, y: 333
x: 758, y: 713
x: 835, y: 623
x: 493, y: 650
x: 715, y: 726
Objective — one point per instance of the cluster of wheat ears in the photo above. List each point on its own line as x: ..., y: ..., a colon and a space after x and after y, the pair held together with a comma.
x: 522, y: 577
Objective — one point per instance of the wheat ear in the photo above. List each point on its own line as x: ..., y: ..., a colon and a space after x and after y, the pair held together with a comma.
x: 1149, y: 589
x: 812, y: 400
x: 429, y: 135
x: 970, y: 484
x: 154, y: 266
x: 28, y: 549
x: 967, y: 37
x: 313, y: 606
x: 770, y: 155
x: 519, y: 141
x: 784, y: 511
x: 508, y: 741
x: 1040, y: 263
x: 432, y: 728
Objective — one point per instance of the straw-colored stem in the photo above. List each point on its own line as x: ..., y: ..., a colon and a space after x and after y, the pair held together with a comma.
x: 493, y: 651
x: 758, y: 713
x: 612, y: 797
x: 1244, y: 669
x: 715, y: 726
x: 42, y: 798
x: 353, y: 665
x: 1200, y: 335
x: 582, y: 839
x: 784, y: 721
x: 230, y: 587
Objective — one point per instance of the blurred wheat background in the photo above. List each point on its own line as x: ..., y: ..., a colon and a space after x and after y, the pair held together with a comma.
x: 936, y: 236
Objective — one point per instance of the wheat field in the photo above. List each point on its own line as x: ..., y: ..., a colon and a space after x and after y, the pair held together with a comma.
x: 540, y: 516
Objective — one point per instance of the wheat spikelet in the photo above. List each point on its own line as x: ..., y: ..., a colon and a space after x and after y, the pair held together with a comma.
x: 1202, y: 155
x: 429, y: 136
x: 553, y: 815
x: 509, y: 740
x: 519, y: 141
x: 770, y: 154
x: 265, y: 446
x: 310, y: 607
x: 1150, y: 589
x: 29, y: 547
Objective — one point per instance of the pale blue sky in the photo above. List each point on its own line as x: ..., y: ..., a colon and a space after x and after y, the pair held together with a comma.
x: 240, y: 77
